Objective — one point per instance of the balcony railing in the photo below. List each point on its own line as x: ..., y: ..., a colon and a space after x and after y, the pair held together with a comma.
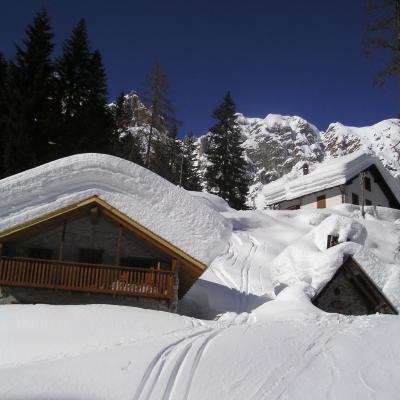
x: 65, y: 275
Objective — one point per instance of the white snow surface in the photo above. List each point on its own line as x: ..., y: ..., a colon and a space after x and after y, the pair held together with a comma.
x: 158, y: 205
x: 252, y: 333
x: 330, y: 173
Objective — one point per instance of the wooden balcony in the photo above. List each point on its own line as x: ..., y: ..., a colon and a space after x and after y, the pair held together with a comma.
x: 90, y: 278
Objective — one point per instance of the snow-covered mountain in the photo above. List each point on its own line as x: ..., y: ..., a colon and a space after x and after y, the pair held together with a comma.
x: 379, y: 139
x: 276, y: 145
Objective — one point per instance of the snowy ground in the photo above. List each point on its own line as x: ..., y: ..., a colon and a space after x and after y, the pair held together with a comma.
x: 259, y: 337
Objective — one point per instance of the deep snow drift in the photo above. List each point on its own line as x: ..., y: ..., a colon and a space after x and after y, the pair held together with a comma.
x: 262, y: 339
x: 145, y: 197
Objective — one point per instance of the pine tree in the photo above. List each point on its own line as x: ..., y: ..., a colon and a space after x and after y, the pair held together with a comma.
x: 82, y: 93
x: 383, y: 34
x: 3, y: 103
x: 190, y: 171
x: 125, y: 143
x: 161, y: 120
x: 226, y: 173
x: 30, y: 94
x: 174, y: 155
x: 160, y: 159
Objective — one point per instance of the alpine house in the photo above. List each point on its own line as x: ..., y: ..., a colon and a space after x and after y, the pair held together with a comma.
x: 357, y: 178
x: 93, y: 228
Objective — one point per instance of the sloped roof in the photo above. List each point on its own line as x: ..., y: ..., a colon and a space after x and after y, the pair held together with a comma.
x: 385, y: 276
x: 330, y: 173
x: 156, y: 204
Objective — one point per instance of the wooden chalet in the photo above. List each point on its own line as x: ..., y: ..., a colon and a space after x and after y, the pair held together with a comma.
x: 90, y: 252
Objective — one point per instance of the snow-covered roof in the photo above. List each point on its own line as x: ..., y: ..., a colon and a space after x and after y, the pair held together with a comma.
x: 166, y: 210
x: 330, y: 173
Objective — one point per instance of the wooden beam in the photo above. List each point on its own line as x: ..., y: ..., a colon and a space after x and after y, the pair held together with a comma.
x: 94, y: 215
x: 1, y: 249
x: 62, y: 241
x: 119, y: 243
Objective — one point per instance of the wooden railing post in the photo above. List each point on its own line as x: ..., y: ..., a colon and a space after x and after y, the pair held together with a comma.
x: 67, y: 275
x: 171, y: 283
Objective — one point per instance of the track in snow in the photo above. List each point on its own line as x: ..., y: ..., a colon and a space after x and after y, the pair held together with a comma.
x: 276, y: 383
x: 240, y: 268
x: 171, y: 372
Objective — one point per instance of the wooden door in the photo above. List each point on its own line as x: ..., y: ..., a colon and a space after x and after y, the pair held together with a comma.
x: 321, y: 201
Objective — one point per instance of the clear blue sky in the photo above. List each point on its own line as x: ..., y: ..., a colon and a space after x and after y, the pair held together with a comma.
x: 287, y: 57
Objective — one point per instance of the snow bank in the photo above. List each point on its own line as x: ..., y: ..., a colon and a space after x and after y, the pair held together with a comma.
x: 269, y: 343
x: 215, y: 202
x: 330, y: 173
x: 110, y: 352
x: 163, y: 208
x: 270, y: 251
x: 346, y: 229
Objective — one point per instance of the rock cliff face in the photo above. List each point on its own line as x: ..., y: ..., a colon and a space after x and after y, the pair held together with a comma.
x: 273, y: 146
x: 276, y: 144
x: 381, y: 139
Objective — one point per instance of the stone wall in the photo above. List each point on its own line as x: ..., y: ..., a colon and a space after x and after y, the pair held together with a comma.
x: 83, y: 233
x: 19, y: 295
x: 341, y: 296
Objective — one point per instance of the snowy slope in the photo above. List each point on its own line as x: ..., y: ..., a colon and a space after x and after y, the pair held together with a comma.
x: 259, y: 337
x: 271, y: 250
x: 269, y: 343
x: 106, y: 352
x: 145, y: 197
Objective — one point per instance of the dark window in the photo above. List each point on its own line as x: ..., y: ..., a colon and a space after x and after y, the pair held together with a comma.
x: 368, y: 202
x: 367, y: 184
x: 321, y: 201
x: 332, y: 241
x: 43, y: 254
x: 91, y: 256
x: 305, y: 169
x: 138, y: 262
x: 354, y: 199
x: 295, y: 207
x: 336, y: 291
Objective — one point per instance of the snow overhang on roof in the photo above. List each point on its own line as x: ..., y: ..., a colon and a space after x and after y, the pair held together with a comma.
x: 156, y: 204
x: 330, y: 173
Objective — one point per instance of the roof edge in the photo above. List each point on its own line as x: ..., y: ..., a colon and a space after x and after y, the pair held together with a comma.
x: 98, y: 201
